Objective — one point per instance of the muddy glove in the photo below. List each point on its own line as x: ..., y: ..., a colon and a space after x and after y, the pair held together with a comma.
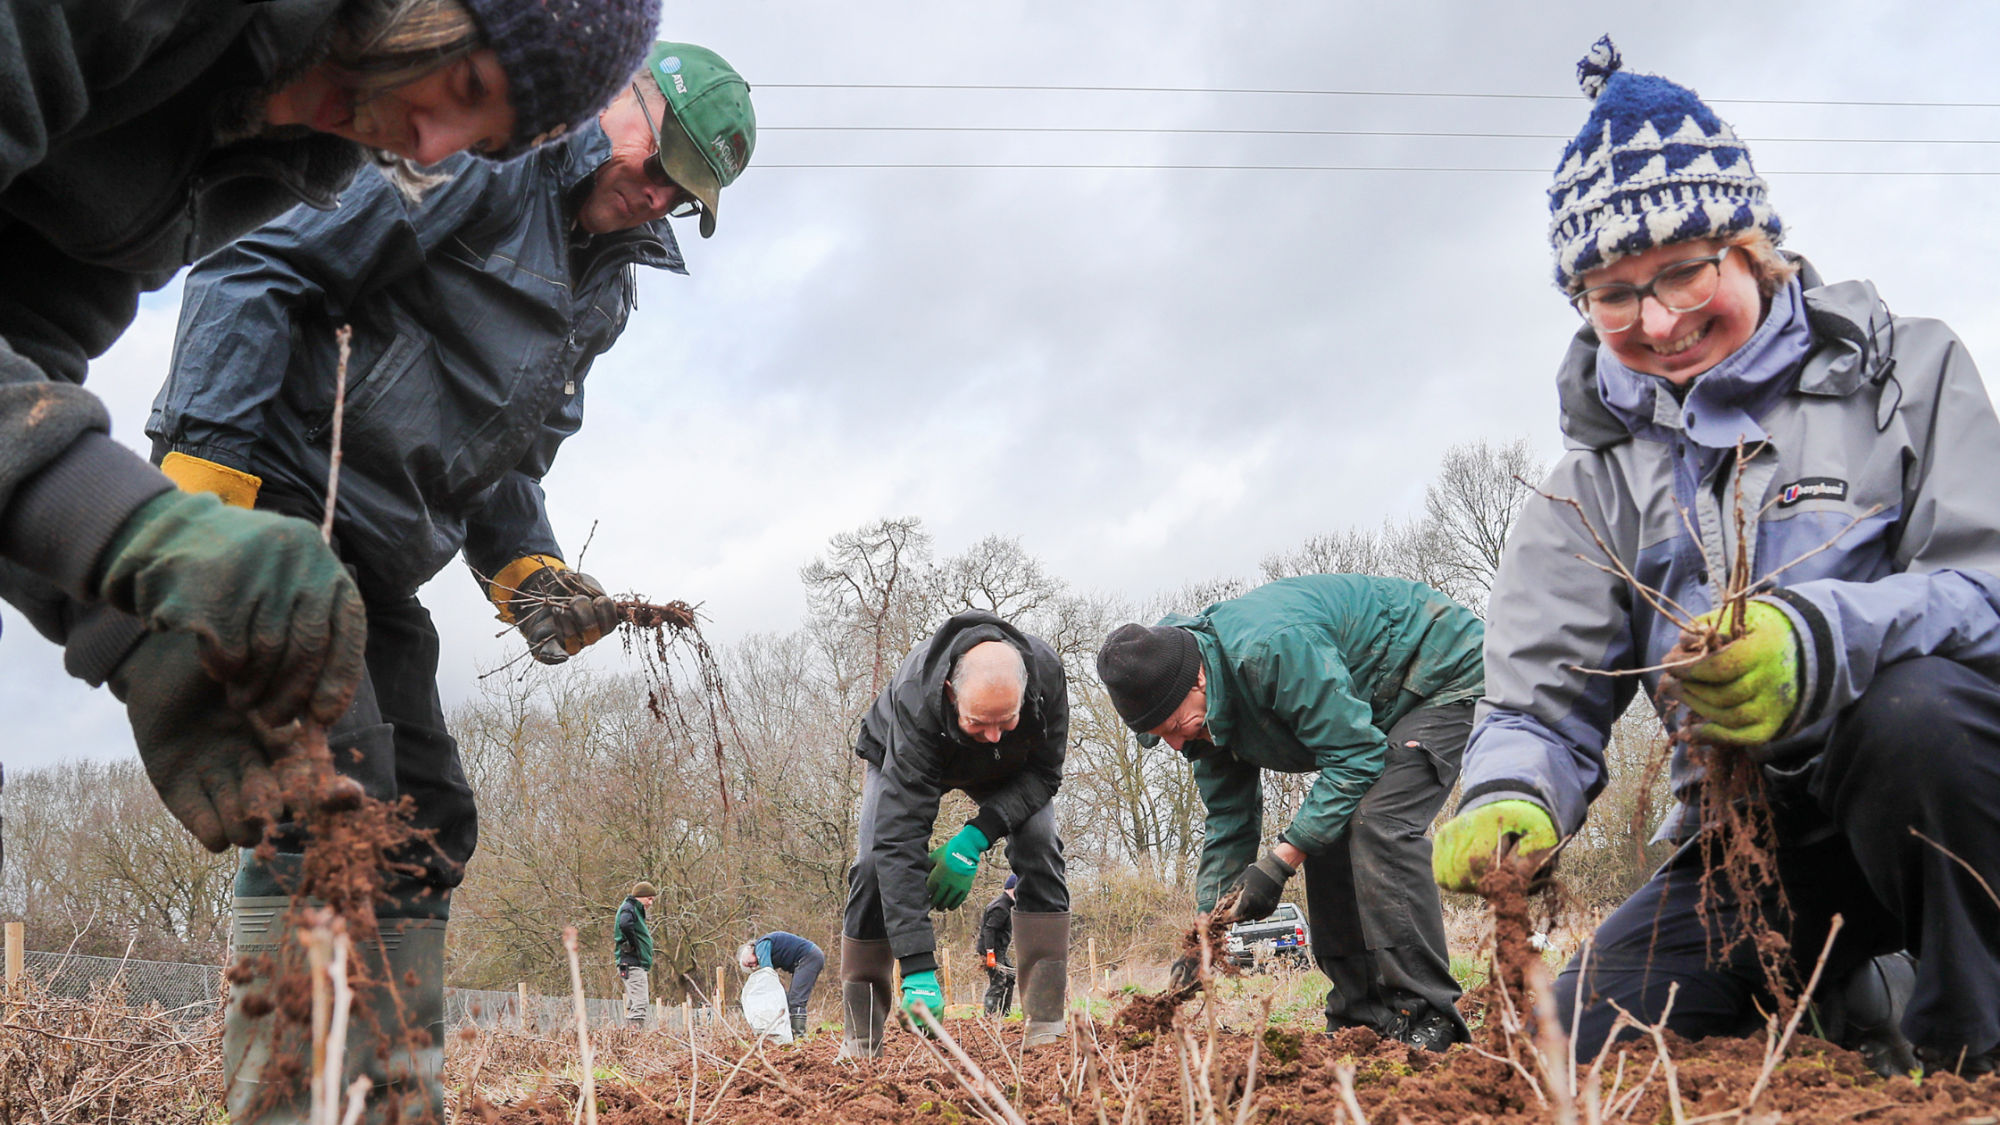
x: 1746, y: 692
x: 277, y: 619
x: 923, y: 988
x: 1184, y: 973
x: 209, y: 766
x: 953, y: 866
x: 1261, y: 883
x: 1467, y: 843
x: 558, y: 610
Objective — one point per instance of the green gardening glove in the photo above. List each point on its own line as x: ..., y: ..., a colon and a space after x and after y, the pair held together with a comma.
x: 1467, y: 843
x: 276, y: 618
x: 208, y: 764
x: 952, y: 867
x: 922, y: 988
x: 1746, y: 692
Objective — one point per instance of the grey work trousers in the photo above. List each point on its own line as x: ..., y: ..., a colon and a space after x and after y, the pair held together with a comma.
x: 1377, y: 925
x: 638, y: 989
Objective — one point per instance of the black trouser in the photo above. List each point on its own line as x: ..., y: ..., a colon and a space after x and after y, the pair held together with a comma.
x: 1034, y: 852
x: 1000, y: 989
x: 393, y: 741
x: 1920, y: 750
x: 1377, y: 926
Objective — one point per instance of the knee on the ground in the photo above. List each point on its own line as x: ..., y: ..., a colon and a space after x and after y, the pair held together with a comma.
x: 1915, y: 727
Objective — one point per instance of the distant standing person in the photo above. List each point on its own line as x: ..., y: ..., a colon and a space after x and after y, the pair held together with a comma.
x: 633, y: 946
x: 983, y: 708
x: 792, y: 954
x: 996, y: 931
x: 1370, y: 684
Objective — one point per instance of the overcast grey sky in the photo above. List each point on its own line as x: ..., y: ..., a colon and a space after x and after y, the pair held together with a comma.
x: 1149, y: 376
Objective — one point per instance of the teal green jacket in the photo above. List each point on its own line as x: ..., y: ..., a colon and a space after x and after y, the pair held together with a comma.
x: 1306, y: 675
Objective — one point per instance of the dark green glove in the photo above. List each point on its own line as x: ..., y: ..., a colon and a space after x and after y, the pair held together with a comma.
x: 953, y: 866
x: 278, y: 621
x: 209, y: 766
x: 1262, y: 883
x: 567, y: 610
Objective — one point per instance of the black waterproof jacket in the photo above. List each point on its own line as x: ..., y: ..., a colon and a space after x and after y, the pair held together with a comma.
x: 117, y: 167
x: 476, y: 313
x: 912, y: 735
x: 996, y: 929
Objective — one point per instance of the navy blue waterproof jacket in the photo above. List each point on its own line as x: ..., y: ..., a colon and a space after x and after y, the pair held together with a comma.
x: 476, y: 316
x: 780, y: 950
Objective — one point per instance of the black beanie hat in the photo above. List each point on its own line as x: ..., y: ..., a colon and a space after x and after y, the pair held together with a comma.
x: 564, y: 59
x: 1148, y: 672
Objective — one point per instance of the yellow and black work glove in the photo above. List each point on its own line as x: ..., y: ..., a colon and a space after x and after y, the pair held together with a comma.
x: 558, y: 610
x: 1746, y: 692
x: 205, y: 759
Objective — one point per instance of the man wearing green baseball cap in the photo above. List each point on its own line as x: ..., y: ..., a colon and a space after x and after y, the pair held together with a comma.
x: 709, y: 130
x: 477, y: 313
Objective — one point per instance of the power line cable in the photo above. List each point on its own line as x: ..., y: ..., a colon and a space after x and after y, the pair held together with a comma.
x: 1330, y: 133
x: 1337, y: 168
x: 1573, y: 98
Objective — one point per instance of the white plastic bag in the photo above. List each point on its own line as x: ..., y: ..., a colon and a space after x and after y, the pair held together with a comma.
x: 764, y: 1006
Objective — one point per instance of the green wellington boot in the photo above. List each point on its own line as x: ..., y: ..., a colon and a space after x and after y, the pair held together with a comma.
x: 395, y: 1026
x: 1041, y: 956
x: 865, y: 996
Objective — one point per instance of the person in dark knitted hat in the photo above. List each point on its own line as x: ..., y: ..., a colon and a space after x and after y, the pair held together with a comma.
x: 1737, y: 426
x: 1367, y: 682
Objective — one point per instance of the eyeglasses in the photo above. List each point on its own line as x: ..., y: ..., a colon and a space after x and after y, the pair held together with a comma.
x: 686, y: 205
x: 1682, y: 287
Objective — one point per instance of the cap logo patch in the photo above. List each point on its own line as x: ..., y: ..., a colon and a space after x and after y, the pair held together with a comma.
x: 680, y: 85
x: 1812, y: 488
x: 670, y: 65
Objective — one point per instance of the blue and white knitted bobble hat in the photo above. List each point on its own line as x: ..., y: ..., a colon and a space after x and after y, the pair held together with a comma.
x: 1653, y: 166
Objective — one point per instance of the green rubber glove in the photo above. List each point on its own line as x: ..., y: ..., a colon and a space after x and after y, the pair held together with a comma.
x: 209, y: 766
x: 923, y: 988
x: 1746, y: 693
x: 277, y: 620
x: 1467, y: 842
x: 952, y: 867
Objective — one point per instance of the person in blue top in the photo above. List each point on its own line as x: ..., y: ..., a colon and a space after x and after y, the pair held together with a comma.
x: 792, y: 954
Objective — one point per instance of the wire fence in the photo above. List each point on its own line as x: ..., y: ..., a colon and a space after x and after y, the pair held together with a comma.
x: 197, y: 991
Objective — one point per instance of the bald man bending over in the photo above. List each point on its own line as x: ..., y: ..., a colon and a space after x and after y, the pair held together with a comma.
x: 984, y: 708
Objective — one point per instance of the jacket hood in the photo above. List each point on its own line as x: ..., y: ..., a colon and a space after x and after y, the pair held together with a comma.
x: 928, y: 710
x: 1852, y: 330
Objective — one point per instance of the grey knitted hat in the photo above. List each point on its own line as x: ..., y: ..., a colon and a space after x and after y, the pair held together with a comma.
x: 565, y: 59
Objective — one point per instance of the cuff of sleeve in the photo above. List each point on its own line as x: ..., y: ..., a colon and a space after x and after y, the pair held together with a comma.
x: 925, y: 962
x: 919, y: 942
x: 1302, y: 842
x: 508, y: 582
x: 1492, y: 792
x: 991, y: 824
x: 1814, y: 637
x: 99, y: 641
x: 237, y: 489
x: 62, y: 518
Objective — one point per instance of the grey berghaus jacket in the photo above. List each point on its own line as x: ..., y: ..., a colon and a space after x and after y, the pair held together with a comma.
x: 1885, y: 411
x: 475, y: 322
x: 112, y: 178
x: 911, y: 734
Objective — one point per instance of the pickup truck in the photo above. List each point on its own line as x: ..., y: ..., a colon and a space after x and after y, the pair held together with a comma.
x: 1282, y: 936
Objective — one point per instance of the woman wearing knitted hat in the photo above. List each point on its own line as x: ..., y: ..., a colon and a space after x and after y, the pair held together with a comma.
x: 1862, y: 686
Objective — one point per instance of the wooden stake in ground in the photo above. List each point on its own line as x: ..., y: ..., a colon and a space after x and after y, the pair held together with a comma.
x: 521, y: 1013
x: 589, y: 1083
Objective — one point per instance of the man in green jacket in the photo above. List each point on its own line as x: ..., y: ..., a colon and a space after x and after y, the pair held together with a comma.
x: 633, y: 944
x: 1368, y: 682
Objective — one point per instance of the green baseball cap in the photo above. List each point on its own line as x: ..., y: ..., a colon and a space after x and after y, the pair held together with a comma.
x: 710, y: 130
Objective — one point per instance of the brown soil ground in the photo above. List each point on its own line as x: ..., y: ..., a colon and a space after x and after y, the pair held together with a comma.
x: 1296, y: 1082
